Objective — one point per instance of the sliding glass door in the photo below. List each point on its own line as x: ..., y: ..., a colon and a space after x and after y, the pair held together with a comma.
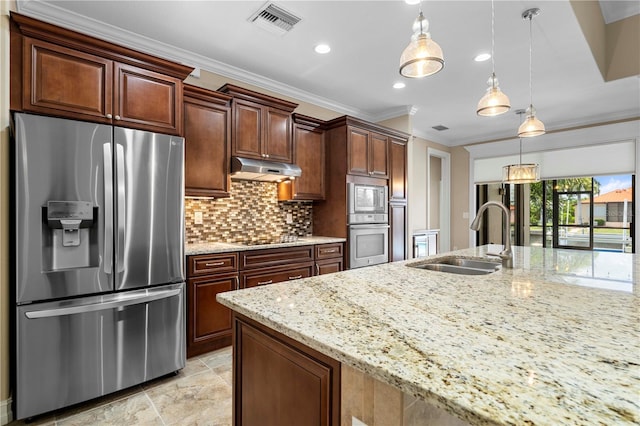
x: 586, y: 213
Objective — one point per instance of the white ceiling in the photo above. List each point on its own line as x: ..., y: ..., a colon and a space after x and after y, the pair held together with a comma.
x: 366, y: 38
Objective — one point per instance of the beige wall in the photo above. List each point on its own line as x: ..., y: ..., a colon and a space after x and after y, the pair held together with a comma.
x: 5, y: 6
x: 614, y: 46
x: 460, y: 192
x: 418, y: 181
x: 435, y: 179
x: 211, y: 81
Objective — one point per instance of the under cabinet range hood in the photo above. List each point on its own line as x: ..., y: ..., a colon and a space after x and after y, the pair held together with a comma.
x: 262, y: 170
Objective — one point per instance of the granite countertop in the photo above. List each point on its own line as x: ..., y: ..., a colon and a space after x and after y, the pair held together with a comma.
x: 539, y: 344
x: 214, y: 247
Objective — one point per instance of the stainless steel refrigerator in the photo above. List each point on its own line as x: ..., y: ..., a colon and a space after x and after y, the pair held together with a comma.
x: 99, y: 260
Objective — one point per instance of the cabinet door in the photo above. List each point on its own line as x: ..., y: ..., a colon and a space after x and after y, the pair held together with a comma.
x: 309, y: 155
x: 281, y: 382
x: 247, y: 129
x: 329, y: 266
x: 398, y: 171
x: 357, y: 151
x: 65, y: 82
x: 147, y: 100
x: 397, y: 238
x: 206, y: 133
x: 209, y: 322
x: 378, y: 155
x: 277, y: 143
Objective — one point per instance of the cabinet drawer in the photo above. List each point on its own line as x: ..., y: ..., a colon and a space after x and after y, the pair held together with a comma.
x: 211, y: 264
x: 327, y: 251
x: 275, y: 275
x: 273, y: 257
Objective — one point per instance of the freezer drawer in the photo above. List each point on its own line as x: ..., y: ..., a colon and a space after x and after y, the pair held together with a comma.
x: 73, y: 351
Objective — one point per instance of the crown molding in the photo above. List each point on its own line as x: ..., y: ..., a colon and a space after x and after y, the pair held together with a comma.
x: 49, y: 12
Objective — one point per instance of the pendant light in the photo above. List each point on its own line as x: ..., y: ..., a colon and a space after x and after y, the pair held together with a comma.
x: 531, y: 126
x: 521, y: 173
x: 423, y: 56
x: 494, y: 102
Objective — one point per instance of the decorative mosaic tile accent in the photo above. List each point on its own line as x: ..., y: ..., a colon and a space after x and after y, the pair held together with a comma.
x: 251, y: 212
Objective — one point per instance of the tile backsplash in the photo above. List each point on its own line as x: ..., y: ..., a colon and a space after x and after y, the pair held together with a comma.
x: 252, y: 212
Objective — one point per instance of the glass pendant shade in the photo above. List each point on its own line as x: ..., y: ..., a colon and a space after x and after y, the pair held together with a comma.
x: 521, y: 173
x: 421, y: 58
x: 494, y: 102
x: 531, y: 126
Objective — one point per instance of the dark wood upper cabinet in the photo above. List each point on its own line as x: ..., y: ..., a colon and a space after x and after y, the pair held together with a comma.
x: 262, y: 125
x: 63, y: 73
x: 207, y: 133
x: 398, y: 170
x: 367, y: 153
x: 72, y: 83
x: 147, y: 100
x: 309, y: 154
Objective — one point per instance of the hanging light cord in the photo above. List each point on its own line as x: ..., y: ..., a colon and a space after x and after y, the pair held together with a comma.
x: 493, y: 62
x: 530, y: 61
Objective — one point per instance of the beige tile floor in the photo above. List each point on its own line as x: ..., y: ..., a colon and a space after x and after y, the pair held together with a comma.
x: 199, y: 395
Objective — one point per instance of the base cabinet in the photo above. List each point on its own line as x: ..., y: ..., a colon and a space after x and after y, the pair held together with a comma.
x: 209, y: 322
x: 278, y: 381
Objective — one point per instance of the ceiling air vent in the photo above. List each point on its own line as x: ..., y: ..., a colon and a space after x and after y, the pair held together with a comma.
x: 440, y: 127
x: 274, y: 19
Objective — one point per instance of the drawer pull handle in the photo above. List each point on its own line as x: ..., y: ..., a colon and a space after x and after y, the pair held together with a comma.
x: 214, y: 264
x: 331, y: 251
x: 296, y: 277
x: 317, y: 269
x: 265, y: 282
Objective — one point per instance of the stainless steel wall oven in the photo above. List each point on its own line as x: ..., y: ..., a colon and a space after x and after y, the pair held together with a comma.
x: 368, y: 220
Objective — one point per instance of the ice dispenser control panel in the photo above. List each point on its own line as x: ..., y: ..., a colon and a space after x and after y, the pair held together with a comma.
x: 70, y: 216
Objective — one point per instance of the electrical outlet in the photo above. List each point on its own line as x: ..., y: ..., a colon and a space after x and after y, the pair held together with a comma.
x: 289, y: 218
x: 197, y: 218
x: 465, y: 215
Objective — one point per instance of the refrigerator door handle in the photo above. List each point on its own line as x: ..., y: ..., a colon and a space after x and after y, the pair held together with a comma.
x: 117, y: 301
x: 121, y: 206
x: 108, y: 208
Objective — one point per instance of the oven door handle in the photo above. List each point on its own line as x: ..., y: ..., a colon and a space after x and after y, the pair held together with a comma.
x: 370, y: 226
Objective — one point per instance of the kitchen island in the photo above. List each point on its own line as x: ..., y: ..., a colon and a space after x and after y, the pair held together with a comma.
x: 541, y: 344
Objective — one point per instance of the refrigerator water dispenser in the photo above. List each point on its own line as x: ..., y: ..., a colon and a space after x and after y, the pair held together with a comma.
x: 69, y: 241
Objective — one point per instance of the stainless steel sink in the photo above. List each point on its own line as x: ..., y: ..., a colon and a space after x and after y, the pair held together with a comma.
x: 470, y: 263
x: 459, y: 265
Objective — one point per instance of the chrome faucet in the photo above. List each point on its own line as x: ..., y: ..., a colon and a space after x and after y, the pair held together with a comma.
x: 506, y: 255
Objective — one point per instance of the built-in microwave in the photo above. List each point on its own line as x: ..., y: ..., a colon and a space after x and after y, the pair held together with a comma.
x: 367, y: 203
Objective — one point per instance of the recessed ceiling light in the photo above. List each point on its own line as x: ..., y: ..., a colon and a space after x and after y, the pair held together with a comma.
x: 412, y: 2
x: 399, y: 85
x: 482, y: 57
x: 322, y: 48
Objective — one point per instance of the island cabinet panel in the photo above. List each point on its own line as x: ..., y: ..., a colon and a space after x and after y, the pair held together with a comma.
x: 208, y: 321
x: 262, y: 125
x: 207, y: 133
x: 69, y: 74
x: 309, y: 155
x: 278, y: 381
